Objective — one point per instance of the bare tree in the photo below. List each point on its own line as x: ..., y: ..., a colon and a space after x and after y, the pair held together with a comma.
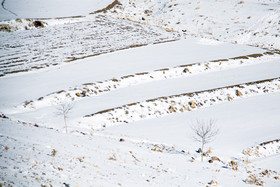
x: 204, y: 132
x: 63, y: 109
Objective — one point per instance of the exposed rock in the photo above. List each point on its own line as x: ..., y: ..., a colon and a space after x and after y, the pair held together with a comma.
x: 38, y: 24
x: 229, y: 98
x: 186, y: 70
x: 121, y: 140
x: 192, y: 104
x: 238, y: 93
x: 115, y: 80
x: 233, y: 165
x: 212, y: 182
x: 5, y: 28
x: 148, y: 12
x: 199, y: 150
x: 172, y: 109
x: 18, y: 20
x: 214, y: 158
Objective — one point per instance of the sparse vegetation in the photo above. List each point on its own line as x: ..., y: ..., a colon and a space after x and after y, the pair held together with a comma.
x: 204, y: 132
x: 63, y: 109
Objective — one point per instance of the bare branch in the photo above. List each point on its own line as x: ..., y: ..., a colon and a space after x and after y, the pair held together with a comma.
x: 204, y: 132
x: 63, y: 109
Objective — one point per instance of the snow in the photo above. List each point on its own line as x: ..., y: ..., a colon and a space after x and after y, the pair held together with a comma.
x: 238, y: 128
x: 50, y: 8
x: 104, y: 67
x: 247, y: 22
x: 139, y: 76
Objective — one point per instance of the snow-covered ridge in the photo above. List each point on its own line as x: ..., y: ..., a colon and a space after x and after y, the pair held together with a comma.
x: 263, y: 150
x: 91, y: 89
x: 244, y: 22
x: 177, y: 103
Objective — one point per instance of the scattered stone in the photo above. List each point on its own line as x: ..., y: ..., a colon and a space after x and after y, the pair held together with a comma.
x: 199, y: 150
x: 233, y: 165
x: 253, y: 179
x: 186, y: 70
x: 155, y: 148
x: 3, y: 116
x: 192, y: 104
x: 238, y: 93
x: 38, y: 24
x: 212, y: 182
x: 115, y: 80
x: 229, y: 98
x: 66, y: 185
x: 265, y: 173
x: 54, y: 152
x: 5, y: 28
x: 148, y: 12
x: 121, y: 140
x: 172, y: 109
x: 214, y: 158
x: 18, y: 20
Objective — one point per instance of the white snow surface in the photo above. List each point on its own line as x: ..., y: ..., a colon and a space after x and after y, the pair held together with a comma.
x: 253, y: 22
x: 50, y: 8
x: 134, y: 107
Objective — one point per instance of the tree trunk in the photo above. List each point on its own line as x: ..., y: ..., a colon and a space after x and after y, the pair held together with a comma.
x: 65, y: 123
x: 202, y: 150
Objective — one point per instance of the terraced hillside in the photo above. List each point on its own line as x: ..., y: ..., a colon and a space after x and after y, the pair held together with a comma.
x: 138, y: 77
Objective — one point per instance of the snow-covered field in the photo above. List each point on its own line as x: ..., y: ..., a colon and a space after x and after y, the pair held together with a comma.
x: 139, y: 76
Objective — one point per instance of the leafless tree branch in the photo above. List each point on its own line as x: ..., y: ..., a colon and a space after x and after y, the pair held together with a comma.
x: 204, y: 132
x: 63, y: 109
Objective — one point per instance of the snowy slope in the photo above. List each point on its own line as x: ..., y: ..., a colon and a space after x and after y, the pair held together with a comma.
x: 247, y: 22
x: 118, y: 64
x: 137, y: 85
x: 157, y: 152
x: 49, y: 8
